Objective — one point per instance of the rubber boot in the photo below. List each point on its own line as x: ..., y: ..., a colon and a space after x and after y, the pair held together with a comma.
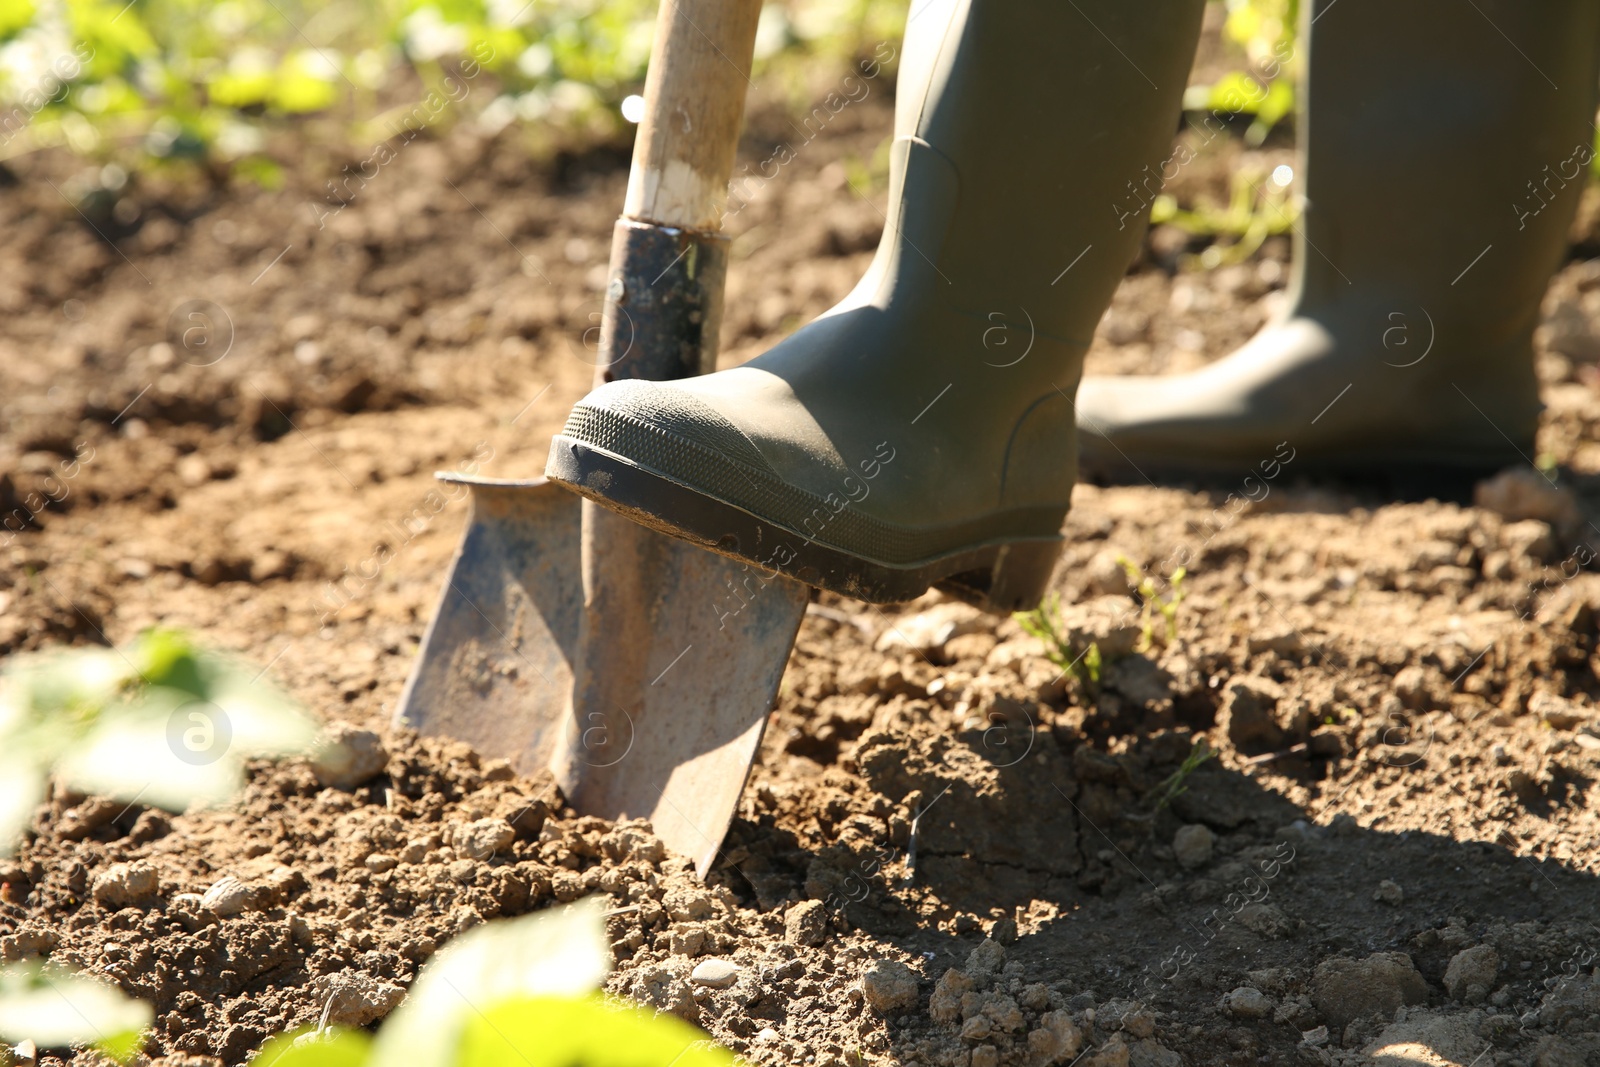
x: 921, y: 430
x: 1444, y: 147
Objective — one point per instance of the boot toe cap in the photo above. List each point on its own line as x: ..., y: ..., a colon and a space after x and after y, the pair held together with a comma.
x: 657, y: 425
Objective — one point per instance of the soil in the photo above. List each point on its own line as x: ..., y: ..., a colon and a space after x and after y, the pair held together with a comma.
x: 950, y: 851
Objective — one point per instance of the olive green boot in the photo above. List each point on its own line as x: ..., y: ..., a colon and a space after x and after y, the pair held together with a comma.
x: 1444, y: 147
x: 921, y: 431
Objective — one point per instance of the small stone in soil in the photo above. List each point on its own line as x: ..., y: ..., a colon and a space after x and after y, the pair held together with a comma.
x: 715, y: 973
x: 1193, y: 845
x: 1247, y: 1003
x: 1389, y: 893
x: 889, y: 986
x: 227, y: 896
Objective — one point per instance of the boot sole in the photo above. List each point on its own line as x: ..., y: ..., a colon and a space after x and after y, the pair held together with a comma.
x: 1406, y: 478
x: 999, y: 576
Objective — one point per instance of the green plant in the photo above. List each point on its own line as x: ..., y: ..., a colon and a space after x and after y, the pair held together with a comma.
x: 57, y: 1009
x: 160, y: 721
x: 1079, y: 659
x: 514, y: 991
x: 1153, y: 603
x: 1258, y: 208
x: 1265, y: 31
x: 158, y: 83
x: 1176, y: 782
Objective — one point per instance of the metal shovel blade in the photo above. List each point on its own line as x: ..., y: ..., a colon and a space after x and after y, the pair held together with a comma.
x: 682, y: 654
x: 660, y: 715
x: 495, y: 667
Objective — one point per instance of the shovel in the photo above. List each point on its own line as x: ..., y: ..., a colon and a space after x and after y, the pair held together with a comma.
x: 638, y: 668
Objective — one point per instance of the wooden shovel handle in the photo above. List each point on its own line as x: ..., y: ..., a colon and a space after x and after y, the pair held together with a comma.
x: 693, y: 109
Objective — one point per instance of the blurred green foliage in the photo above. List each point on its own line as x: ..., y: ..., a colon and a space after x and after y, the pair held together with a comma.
x: 208, y: 82
x: 56, y: 1008
x: 1264, y: 31
x: 514, y: 991
x: 160, y: 721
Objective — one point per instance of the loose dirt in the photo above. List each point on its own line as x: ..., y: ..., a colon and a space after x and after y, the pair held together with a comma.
x: 950, y: 852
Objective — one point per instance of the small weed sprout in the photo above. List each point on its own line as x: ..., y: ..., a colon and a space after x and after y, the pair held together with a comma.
x: 1154, y: 603
x: 1080, y: 660
x: 1175, y: 784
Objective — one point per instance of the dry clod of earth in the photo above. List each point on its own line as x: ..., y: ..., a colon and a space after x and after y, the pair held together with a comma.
x: 126, y: 885
x: 1423, y: 1039
x: 1345, y: 989
x: 1114, y: 1053
x: 806, y: 923
x: 483, y: 838
x: 349, y: 757
x: 1472, y: 972
x: 1557, y: 712
x: 929, y: 631
x: 1521, y: 494
x: 889, y: 986
x: 356, y: 999
x: 1249, y: 714
x: 1390, y: 893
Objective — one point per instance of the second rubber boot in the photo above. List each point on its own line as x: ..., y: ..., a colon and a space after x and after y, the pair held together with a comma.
x: 1444, y: 147
x: 921, y: 430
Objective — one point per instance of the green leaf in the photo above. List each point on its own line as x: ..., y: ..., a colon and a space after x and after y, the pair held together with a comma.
x: 562, y: 952
x: 240, y: 90
x: 304, y: 83
x: 75, y: 681
x: 14, y: 15
x: 22, y: 787
x: 584, y: 1032
x: 168, y: 657
x: 55, y: 1009
x: 148, y: 752
x: 1235, y: 93
x: 334, y: 1047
